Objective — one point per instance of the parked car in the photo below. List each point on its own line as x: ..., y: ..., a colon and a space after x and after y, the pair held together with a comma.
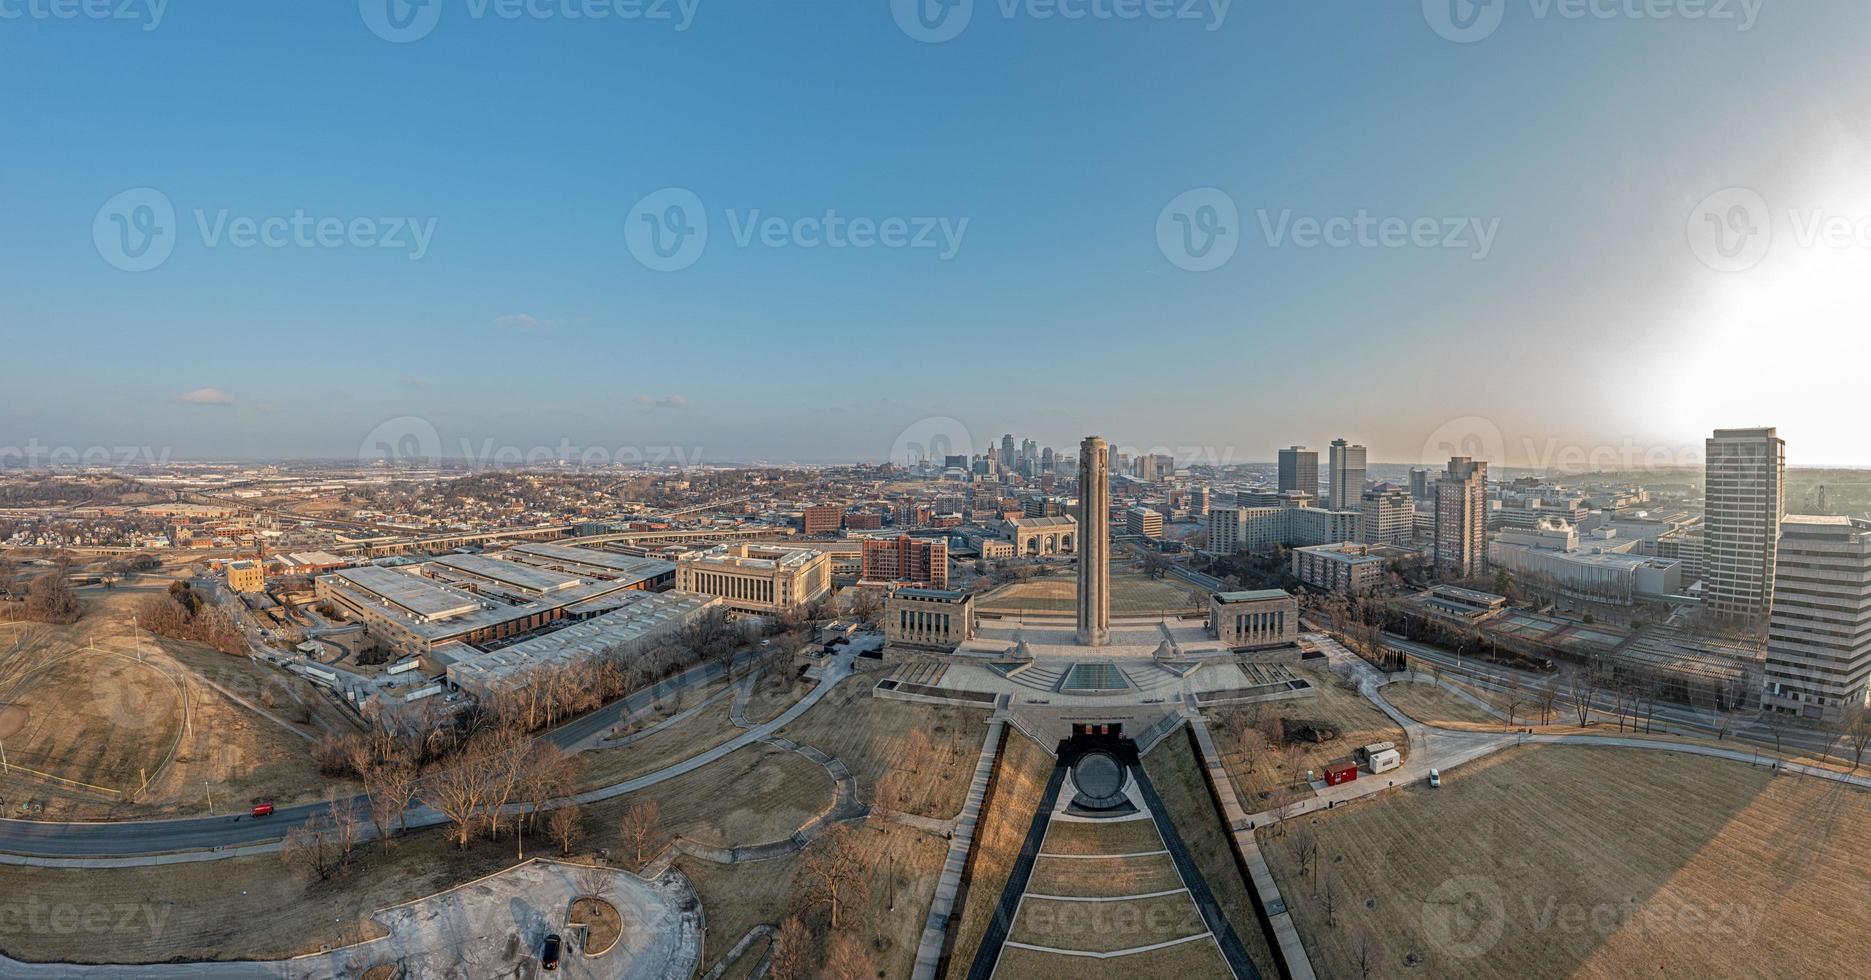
x: 1435, y: 779
x: 549, y: 957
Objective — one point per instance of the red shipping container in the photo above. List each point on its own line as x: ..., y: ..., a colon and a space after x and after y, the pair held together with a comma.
x: 1335, y: 775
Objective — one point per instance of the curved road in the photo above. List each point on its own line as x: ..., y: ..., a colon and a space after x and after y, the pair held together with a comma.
x: 120, y: 839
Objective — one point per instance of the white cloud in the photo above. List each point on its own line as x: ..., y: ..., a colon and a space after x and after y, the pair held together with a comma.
x: 668, y: 401
x: 519, y: 321
x: 205, y: 396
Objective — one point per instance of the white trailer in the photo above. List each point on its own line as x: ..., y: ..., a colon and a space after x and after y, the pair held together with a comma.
x: 1385, y: 761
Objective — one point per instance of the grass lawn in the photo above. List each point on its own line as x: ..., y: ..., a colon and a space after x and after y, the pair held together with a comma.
x: 1591, y: 863
x: 774, y: 692
x: 1132, y: 594
x: 1101, y: 837
x: 1101, y: 927
x: 867, y: 734
x: 687, y: 738
x: 119, y: 722
x: 1100, y: 877
x: 1195, y: 960
x: 206, y: 910
x: 1433, y: 705
x: 1176, y: 772
x: 1019, y: 780
x: 738, y: 897
x: 1257, y: 772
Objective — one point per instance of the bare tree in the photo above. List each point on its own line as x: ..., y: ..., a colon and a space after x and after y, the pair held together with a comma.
x: 1513, y: 696
x: 1330, y: 900
x: 1546, y: 695
x: 1364, y: 953
x: 306, y: 850
x: 342, y: 820
x: 458, y: 790
x: 847, y: 959
x: 1857, y: 728
x: 1778, y: 724
x: 794, y: 956
x: 1581, y: 691
x: 390, y: 786
x: 567, y: 827
x: 1305, y: 845
x: 642, y: 824
x: 836, y: 874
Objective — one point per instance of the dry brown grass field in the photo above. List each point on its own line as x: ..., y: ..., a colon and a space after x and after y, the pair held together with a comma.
x: 1591, y: 863
x: 1258, y: 772
x: 1103, y: 927
x: 120, y: 721
x: 867, y: 732
x: 1019, y: 781
x: 207, y: 910
x: 1119, y: 837
x: 1101, y: 877
x: 775, y: 691
x: 1176, y: 772
x: 685, y: 739
x: 1433, y: 705
x: 908, y: 862
x: 1195, y: 960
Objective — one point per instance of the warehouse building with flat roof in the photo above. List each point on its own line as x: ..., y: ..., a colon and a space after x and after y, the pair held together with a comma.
x: 641, y: 621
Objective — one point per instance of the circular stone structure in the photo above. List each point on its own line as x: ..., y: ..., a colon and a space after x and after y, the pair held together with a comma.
x: 1100, y: 780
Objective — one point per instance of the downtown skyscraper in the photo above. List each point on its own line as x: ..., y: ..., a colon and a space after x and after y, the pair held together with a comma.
x: 1744, y: 501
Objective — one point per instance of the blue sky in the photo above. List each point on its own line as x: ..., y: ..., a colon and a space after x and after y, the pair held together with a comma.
x: 1586, y: 144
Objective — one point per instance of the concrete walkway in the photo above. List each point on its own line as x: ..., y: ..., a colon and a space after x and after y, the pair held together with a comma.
x: 948, y: 886
x: 492, y: 927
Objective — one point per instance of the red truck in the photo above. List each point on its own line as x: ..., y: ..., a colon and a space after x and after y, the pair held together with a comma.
x: 263, y: 809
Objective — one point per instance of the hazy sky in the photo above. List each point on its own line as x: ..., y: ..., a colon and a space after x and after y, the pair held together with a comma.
x: 1562, y: 301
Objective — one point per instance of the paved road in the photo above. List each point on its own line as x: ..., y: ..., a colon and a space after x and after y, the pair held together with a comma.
x: 124, y: 838
x: 1493, y: 677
